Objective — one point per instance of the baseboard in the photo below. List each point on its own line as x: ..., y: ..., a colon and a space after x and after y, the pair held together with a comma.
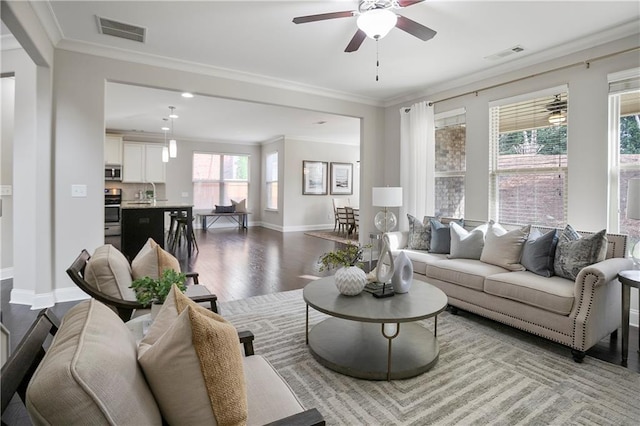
x: 6, y: 273
x: 46, y: 300
x: 307, y: 228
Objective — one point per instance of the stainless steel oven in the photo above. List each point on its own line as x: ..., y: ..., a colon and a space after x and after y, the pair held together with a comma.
x: 112, y: 200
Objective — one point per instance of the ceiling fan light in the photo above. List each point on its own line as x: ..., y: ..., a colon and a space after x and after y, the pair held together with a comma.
x: 173, y: 148
x: 377, y: 23
x: 557, y: 117
x: 165, y: 154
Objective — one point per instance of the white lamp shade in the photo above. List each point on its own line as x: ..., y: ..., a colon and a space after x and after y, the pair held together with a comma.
x: 377, y: 23
x: 633, y: 199
x: 165, y: 154
x: 173, y: 148
x: 388, y: 196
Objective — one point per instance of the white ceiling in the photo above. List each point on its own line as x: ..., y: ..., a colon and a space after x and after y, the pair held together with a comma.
x: 256, y: 41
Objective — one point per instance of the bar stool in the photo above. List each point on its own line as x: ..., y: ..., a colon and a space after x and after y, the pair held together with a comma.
x: 173, y: 228
x: 181, y: 231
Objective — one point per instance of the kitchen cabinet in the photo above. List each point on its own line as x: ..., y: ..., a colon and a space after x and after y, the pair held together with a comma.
x: 142, y: 163
x: 112, y: 149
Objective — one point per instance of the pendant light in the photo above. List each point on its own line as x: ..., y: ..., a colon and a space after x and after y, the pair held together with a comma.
x: 173, y: 144
x: 165, y: 147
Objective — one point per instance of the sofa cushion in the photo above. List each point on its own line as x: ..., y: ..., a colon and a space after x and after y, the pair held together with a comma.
x: 420, y: 259
x: 108, y: 271
x: 152, y: 260
x: 554, y: 294
x: 502, y: 248
x: 419, y: 234
x: 574, y: 253
x: 538, y: 252
x: 465, y: 272
x: 466, y: 244
x: 441, y: 236
x: 195, y: 371
x: 269, y: 397
x: 75, y: 382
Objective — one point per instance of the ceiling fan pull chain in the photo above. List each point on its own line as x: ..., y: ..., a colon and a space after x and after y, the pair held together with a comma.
x: 377, y: 58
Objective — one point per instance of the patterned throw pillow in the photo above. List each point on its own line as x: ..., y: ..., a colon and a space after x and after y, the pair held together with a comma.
x: 419, y: 234
x: 574, y: 253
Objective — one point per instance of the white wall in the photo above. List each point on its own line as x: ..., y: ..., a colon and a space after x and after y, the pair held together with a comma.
x: 307, y: 212
x: 6, y: 176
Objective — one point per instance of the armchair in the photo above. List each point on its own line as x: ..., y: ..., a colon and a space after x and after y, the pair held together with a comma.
x: 125, y: 306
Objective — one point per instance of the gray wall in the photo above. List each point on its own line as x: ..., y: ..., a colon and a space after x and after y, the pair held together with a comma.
x: 6, y: 177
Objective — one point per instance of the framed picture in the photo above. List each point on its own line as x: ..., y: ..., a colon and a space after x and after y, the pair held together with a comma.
x: 314, y: 177
x: 341, y: 178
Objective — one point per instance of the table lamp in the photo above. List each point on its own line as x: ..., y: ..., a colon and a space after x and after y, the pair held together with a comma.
x: 633, y: 212
x: 386, y: 197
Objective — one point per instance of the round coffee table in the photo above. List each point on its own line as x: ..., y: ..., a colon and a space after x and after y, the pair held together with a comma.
x: 374, y: 339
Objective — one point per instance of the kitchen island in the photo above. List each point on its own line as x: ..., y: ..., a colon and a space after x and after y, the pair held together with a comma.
x: 142, y: 220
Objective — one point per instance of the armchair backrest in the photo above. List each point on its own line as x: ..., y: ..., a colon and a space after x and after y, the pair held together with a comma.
x: 76, y: 272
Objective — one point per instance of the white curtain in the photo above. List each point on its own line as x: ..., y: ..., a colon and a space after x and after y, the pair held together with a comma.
x: 417, y: 162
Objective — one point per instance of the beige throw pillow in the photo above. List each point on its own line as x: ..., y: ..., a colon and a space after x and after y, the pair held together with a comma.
x: 504, y: 248
x: 240, y: 206
x: 108, y: 271
x: 152, y: 260
x: 195, y: 371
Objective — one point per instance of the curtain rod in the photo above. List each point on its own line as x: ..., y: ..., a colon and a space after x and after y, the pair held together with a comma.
x: 586, y: 62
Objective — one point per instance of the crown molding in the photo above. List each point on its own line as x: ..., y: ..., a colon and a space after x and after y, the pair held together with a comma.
x: 47, y: 18
x: 613, y: 34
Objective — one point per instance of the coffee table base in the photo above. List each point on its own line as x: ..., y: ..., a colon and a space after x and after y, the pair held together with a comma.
x: 359, y: 349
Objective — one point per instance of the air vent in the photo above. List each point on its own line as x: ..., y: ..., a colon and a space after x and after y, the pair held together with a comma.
x: 505, y: 53
x: 121, y: 30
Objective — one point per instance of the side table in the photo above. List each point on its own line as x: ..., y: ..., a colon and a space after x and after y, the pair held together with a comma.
x: 628, y: 279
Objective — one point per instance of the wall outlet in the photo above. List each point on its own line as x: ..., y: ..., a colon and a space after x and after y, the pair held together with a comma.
x: 78, y: 191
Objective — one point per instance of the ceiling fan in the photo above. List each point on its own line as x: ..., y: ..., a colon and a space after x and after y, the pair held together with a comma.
x: 375, y: 19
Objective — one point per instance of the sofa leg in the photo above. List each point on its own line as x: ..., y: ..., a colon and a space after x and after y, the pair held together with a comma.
x: 578, y: 356
x: 453, y: 310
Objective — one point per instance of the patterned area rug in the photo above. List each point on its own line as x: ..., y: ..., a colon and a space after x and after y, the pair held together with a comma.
x: 338, y: 237
x: 484, y: 375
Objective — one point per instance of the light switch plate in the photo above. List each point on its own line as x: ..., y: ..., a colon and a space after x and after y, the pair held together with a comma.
x: 185, y: 194
x: 6, y: 190
x: 78, y: 190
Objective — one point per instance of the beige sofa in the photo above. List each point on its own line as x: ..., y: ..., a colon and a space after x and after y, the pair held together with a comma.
x: 91, y: 375
x: 576, y: 313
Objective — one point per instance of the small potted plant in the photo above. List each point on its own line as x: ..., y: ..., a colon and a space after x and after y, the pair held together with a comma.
x: 350, y: 279
x: 150, y: 291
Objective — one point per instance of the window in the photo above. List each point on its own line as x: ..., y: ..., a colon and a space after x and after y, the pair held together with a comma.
x: 272, y: 180
x: 450, y: 163
x: 624, y: 123
x: 528, y: 159
x: 218, y: 179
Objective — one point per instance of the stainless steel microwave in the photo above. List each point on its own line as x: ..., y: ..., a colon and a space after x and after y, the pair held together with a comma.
x: 112, y: 172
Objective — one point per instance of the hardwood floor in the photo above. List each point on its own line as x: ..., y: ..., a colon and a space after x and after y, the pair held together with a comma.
x: 236, y: 264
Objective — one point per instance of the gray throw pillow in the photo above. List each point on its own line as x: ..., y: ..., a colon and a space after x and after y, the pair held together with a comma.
x: 419, y: 234
x: 574, y: 253
x: 466, y: 244
x: 441, y: 236
x: 539, y: 251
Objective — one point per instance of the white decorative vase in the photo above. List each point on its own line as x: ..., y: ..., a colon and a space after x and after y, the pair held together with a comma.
x: 385, y: 268
x: 403, y: 274
x: 350, y: 281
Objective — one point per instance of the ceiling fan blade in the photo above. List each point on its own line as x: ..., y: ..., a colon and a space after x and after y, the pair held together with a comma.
x: 356, y: 41
x: 323, y: 16
x: 415, y: 29
x: 405, y: 3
